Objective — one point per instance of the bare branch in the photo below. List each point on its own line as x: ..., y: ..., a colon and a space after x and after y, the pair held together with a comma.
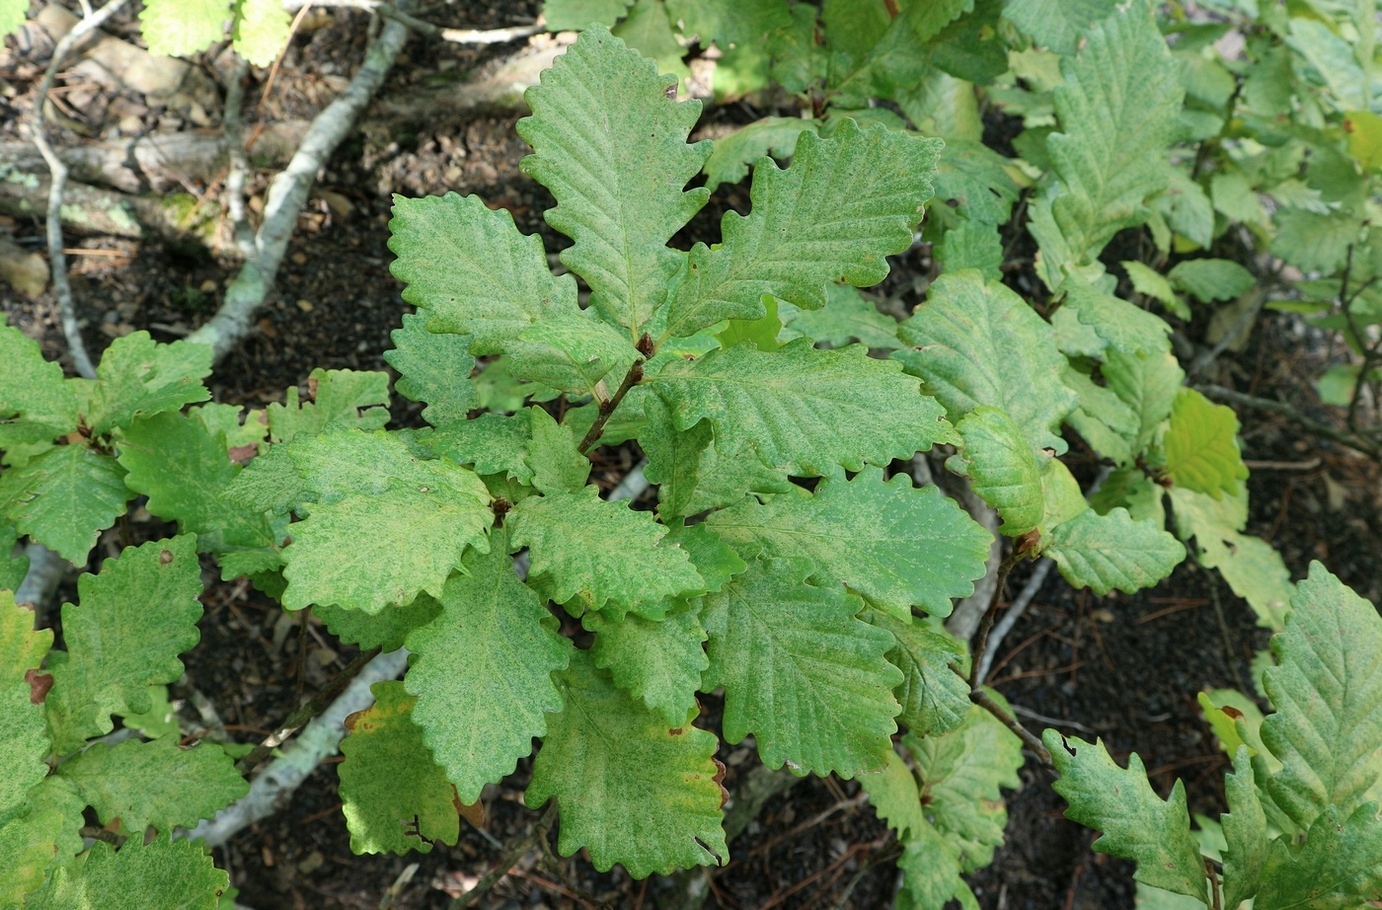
x: 62, y: 289
x: 288, y: 193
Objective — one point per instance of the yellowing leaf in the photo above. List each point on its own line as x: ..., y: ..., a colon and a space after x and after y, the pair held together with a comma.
x: 396, y: 797
x: 1201, y: 446
x: 629, y: 788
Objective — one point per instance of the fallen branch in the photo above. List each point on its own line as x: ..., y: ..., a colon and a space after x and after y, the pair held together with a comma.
x: 305, y: 713
x: 274, y: 788
x: 288, y: 193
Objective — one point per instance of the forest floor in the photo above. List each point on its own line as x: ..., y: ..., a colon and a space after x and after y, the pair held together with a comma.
x: 1123, y: 668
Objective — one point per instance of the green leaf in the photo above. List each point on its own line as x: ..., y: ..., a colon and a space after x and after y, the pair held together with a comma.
x: 1314, y: 241
x: 844, y: 205
x: 730, y: 159
x: 24, y: 746
x: 14, y: 565
x: 396, y: 797
x: 155, y: 783
x: 802, y: 409
x: 177, y: 28
x: 971, y: 245
x: 433, y: 367
x: 934, y: 698
x: 490, y: 444
x: 715, y: 560
x: 161, y: 718
x: 1252, y: 567
x: 1211, y: 279
x: 175, y: 874
x: 1184, y: 205
x: 382, y: 525
x: 895, y: 797
x: 133, y: 621
x: 974, y: 343
x: 385, y: 630
x: 1118, y: 110
x: 648, y: 30
x: 261, y: 30
x: 573, y: 15
x: 963, y: 774
x: 630, y: 790
x: 931, y: 874
x: 183, y: 467
x: 1135, y: 822
x: 1057, y: 24
x: 1103, y: 552
x: 32, y: 388
x: 1064, y: 498
x: 1364, y: 130
x: 482, y: 672
x: 470, y: 271
x: 138, y: 376
x: 729, y: 23
x: 1148, y: 384
x: 611, y: 146
x: 1329, y: 54
x: 1201, y: 446
x: 1121, y: 325
x: 1328, y: 697
x: 1002, y: 468
x: 244, y: 430
x: 917, y: 546
x: 12, y: 15
x: 1146, y: 280
x: 558, y: 466
x: 340, y: 399
x: 610, y: 557
x: 1339, y: 867
x: 659, y: 661
x: 1245, y: 832
x: 691, y: 474
x: 974, y: 178
x: 762, y: 333
x: 847, y: 316
x: 571, y: 354
x: 801, y: 674
x: 47, y: 836
x: 64, y: 498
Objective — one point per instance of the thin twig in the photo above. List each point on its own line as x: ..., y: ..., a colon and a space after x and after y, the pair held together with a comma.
x: 62, y: 289
x: 1356, y: 442
x: 986, y: 624
x: 1369, y: 350
x: 609, y: 406
x: 1032, y: 741
x: 1010, y: 618
x: 306, y: 712
x: 233, y: 127
x: 520, y: 849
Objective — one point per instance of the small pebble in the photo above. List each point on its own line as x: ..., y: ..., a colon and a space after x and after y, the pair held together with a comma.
x: 305, y: 306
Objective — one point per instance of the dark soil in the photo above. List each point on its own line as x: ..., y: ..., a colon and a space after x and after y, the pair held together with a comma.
x: 1123, y: 668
